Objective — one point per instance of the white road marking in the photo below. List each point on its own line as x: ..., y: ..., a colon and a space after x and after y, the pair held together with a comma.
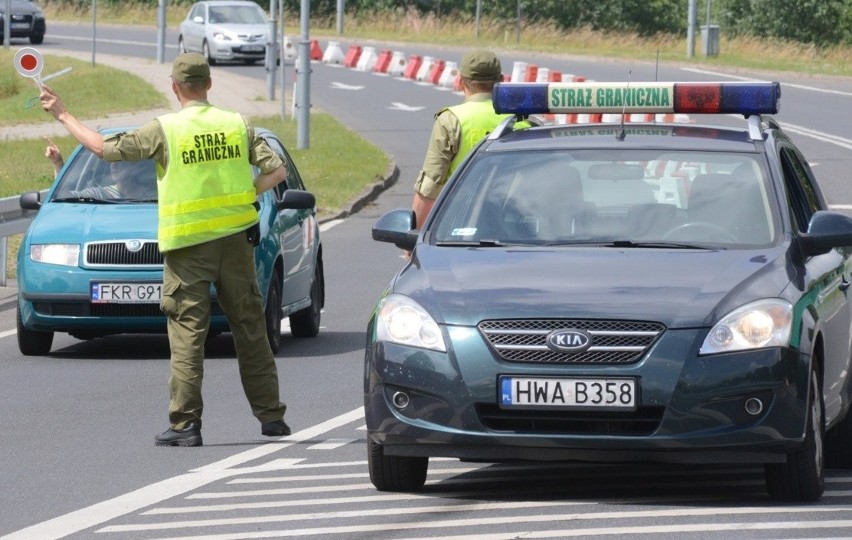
x: 331, y: 444
x: 172, y: 487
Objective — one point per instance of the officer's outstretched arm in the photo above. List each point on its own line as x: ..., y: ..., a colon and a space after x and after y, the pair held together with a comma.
x: 269, y: 180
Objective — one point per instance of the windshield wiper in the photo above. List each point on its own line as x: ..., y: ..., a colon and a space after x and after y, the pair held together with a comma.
x: 485, y: 242
x: 84, y: 199
x: 628, y: 244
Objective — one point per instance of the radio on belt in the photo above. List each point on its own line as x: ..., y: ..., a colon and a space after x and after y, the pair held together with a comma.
x: 746, y: 98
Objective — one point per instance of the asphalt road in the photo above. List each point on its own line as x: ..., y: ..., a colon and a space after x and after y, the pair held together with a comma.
x: 76, y: 452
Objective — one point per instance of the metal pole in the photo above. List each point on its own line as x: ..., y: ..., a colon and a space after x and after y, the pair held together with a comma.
x: 478, y: 16
x: 3, y: 250
x: 271, y: 49
x: 340, y: 11
x: 518, y: 23
x: 7, y: 25
x: 690, y: 29
x: 303, y: 102
x: 161, y: 31
x: 94, y: 28
x: 281, y: 56
x: 709, y: 6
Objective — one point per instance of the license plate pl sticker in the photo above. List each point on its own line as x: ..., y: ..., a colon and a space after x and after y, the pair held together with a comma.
x: 126, y: 293
x: 576, y: 393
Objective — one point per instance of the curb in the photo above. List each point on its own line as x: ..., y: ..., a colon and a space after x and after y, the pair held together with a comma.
x: 367, y: 195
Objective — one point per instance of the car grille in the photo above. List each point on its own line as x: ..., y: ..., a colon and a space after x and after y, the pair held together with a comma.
x: 612, y: 342
x: 642, y: 421
x: 118, y: 254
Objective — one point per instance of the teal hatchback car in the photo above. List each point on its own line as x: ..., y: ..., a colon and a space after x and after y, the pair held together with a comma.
x: 89, y: 265
x: 624, y: 292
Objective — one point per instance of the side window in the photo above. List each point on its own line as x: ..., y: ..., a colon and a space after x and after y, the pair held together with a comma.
x: 802, y: 197
x: 197, y: 11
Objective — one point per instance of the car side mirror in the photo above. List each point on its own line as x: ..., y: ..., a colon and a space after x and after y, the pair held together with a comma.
x: 30, y: 200
x: 297, y: 199
x: 198, y: 19
x: 826, y: 230
x: 397, y: 227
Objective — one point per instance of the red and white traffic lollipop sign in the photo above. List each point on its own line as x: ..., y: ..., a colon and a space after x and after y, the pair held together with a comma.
x: 28, y: 62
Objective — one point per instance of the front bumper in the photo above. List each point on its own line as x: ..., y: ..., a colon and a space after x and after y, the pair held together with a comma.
x: 690, y: 408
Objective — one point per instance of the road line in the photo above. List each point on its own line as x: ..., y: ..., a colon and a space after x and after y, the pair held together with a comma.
x: 793, y: 85
x: 171, y: 487
x: 515, y: 519
x: 331, y: 444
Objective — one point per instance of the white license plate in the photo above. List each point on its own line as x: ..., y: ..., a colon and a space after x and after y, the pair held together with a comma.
x: 575, y: 393
x: 253, y: 48
x: 19, y: 26
x: 126, y: 293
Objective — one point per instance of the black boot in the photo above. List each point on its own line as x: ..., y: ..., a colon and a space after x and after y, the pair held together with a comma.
x: 188, y: 436
x: 276, y: 428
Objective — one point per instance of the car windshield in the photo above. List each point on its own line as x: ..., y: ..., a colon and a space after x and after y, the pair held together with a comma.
x: 237, y: 15
x: 91, y: 179
x: 635, y: 198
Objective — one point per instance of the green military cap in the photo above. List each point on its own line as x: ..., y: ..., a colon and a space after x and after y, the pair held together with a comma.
x: 481, y: 66
x: 190, y: 67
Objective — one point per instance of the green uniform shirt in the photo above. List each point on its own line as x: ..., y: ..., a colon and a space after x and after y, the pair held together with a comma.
x: 149, y: 142
x: 443, y: 146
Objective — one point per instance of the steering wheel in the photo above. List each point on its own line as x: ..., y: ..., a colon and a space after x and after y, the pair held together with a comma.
x: 701, y: 230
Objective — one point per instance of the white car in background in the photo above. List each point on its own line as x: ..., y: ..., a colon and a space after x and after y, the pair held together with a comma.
x: 225, y: 30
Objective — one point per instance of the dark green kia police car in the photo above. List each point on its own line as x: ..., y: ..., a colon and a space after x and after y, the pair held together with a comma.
x: 627, y: 292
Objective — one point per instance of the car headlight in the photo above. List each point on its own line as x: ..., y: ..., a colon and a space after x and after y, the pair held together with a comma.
x: 401, y: 320
x: 64, y: 254
x: 221, y: 36
x: 764, y: 323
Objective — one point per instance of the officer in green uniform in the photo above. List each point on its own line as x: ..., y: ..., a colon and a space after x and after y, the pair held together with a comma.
x: 206, y: 192
x: 458, y: 129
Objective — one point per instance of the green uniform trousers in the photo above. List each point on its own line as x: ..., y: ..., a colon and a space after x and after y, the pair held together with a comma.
x: 227, y: 263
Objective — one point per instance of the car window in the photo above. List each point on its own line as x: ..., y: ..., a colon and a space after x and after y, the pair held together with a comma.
x: 587, y: 196
x: 801, y: 195
x: 89, y: 177
x: 197, y: 11
x: 247, y: 14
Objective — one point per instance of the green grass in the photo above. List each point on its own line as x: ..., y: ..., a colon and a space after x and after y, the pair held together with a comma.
x: 92, y: 90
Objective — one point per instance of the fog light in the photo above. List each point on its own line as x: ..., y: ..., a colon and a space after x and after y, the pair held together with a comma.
x: 753, y: 406
x: 400, y: 400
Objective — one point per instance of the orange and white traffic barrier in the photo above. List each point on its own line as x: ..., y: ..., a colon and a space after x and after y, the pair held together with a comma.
x: 413, y: 66
x: 367, y: 59
x: 333, y: 54
x: 316, y: 51
x: 448, y: 75
x: 640, y: 117
x: 289, y: 49
x: 352, y: 56
x: 397, y: 65
x: 423, y: 70
x: 531, y: 73
x: 518, y: 70
x: 435, y: 72
x: 383, y: 61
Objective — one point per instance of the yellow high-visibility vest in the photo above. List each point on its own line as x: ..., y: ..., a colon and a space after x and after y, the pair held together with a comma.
x: 207, y: 190
x: 477, y: 119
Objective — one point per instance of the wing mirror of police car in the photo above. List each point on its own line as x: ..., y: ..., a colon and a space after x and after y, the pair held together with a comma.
x: 397, y: 227
x: 827, y: 230
x: 297, y: 199
x: 30, y: 200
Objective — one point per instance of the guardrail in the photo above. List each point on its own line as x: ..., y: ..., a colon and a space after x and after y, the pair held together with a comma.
x: 13, y: 220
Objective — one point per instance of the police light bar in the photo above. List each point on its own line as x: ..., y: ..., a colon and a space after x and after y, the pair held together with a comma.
x: 745, y: 98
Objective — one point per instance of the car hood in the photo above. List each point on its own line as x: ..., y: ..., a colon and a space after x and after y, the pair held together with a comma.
x: 78, y: 223
x: 19, y: 7
x: 680, y: 288
x: 240, y: 29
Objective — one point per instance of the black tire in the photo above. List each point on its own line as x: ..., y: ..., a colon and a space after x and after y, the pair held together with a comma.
x: 802, y: 477
x: 306, y: 322
x: 181, y: 45
x: 205, y: 51
x: 33, y: 342
x: 272, y: 313
x: 37, y: 39
x: 838, y: 444
x: 395, y: 473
